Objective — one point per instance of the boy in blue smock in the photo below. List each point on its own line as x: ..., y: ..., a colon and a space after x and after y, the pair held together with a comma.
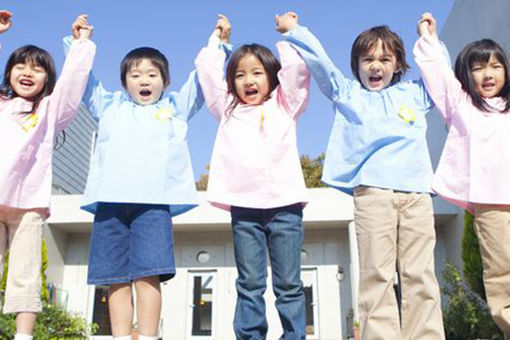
x: 378, y: 153
x: 140, y: 177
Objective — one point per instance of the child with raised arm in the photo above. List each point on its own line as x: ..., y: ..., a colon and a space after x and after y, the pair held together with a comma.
x: 34, y: 107
x: 140, y: 177
x: 378, y: 153
x: 255, y: 173
x: 474, y: 168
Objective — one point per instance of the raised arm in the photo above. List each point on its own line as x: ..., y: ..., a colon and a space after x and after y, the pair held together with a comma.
x: 68, y: 91
x: 190, y: 98
x: 96, y: 98
x: 329, y: 78
x: 294, y: 76
x: 209, y: 65
x: 440, y: 81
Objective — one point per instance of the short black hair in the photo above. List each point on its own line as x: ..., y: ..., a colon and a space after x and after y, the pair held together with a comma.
x: 134, y: 57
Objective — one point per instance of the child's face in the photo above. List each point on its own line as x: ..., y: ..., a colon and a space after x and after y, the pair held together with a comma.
x: 144, y: 82
x: 251, y: 81
x: 28, y: 79
x: 489, y: 77
x: 376, y: 67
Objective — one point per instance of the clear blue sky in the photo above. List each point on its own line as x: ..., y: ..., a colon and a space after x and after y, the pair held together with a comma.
x: 180, y: 28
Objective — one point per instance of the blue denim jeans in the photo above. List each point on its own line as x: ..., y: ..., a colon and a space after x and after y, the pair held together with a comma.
x: 280, y: 230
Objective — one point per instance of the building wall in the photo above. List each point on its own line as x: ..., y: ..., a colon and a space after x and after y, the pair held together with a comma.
x: 71, y: 159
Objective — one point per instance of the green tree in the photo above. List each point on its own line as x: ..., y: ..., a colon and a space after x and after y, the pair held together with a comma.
x: 312, y: 170
x: 466, y: 314
x: 311, y: 167
x: 471, y: 259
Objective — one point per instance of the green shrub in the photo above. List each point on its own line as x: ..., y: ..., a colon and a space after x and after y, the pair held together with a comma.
x: 472, y: 268
x: 52, y: 323
x: 465, y: 314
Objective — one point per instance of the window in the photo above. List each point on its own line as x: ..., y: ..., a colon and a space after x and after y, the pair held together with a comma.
x: 101, y: 314
x: 201, y: 287
x: 309, y: 278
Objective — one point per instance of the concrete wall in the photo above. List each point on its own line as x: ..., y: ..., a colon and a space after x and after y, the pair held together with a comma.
x: 71, y: 159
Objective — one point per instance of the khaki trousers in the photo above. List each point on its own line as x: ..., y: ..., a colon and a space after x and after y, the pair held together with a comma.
x: 492, y: 225
x: 21, y: 233
x: 395, y: 231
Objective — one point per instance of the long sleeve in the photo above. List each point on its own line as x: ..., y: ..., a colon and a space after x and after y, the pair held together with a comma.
x: 70, y: 86
x: 294, y: 80
x: 330, y: 79
x: 209, y: 65
x: 96, y: 98
x: 190, y: 98
x: 440, y: 81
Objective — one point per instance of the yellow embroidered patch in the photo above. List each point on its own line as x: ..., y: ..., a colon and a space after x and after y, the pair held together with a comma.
x: 407, y: 114
x: 164, y: 114
x: 262, y: 118
x: 29, y: 121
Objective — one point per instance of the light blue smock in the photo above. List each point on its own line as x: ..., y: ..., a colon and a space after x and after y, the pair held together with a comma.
x: 378, y: 137
x: 141, y: 152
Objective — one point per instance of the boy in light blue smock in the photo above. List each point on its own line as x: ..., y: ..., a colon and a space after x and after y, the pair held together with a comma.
x: 378, y: 152
x: 140, y: 177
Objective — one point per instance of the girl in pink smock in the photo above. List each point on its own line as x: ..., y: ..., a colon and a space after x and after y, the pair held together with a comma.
x: 255, y: 172
x: 474, y: 169
x: 34, y: 108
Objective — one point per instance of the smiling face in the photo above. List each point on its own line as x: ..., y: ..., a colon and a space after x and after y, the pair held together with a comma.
x: 144, y: 82
x: 28, y: 79
x: 251, y: 80
x: 488, y: 78
x: 377, y: 67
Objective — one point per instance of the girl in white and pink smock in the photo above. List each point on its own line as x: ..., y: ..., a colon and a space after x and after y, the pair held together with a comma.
x: 474, y: 169
x: 34, y: 108
x: 255, y: 172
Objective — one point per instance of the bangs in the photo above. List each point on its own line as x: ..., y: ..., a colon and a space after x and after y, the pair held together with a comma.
x: 33, y: 55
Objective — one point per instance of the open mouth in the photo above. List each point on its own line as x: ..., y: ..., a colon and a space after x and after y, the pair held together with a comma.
x: 145, y: 93
x: 26, y: 82
x: 375, y: 79
x: 252, y: 92
x: 488, y: 85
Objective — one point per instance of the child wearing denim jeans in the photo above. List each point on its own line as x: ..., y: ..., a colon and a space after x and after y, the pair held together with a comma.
x: 378, y: 152
x: 34, y: 108
x: 255, y: 173
x: 140, y: 177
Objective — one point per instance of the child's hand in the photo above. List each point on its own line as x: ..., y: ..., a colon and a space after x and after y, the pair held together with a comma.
x: 5, y: 20
x: 427, y: 25
x: 286, y: 22
x: 223, y: 29
x: 81, y: 28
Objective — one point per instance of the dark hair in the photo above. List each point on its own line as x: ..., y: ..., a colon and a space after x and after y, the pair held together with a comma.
x: 390, y: 42
x: 134, y: 57
x: 480, y: 51
x: 30, y: 54
x: 267, y: 59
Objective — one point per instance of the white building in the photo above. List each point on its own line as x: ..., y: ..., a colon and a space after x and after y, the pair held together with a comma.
x: 199, y: 302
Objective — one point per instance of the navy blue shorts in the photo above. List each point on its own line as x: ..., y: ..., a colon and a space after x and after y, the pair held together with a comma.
x: 130, y: 241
